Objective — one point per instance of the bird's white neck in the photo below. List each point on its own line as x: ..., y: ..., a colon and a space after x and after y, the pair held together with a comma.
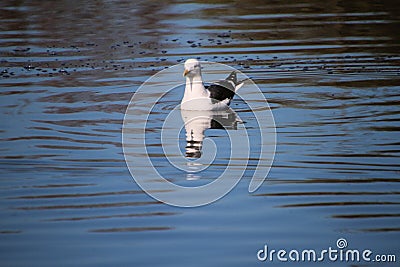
x: 194, y: 88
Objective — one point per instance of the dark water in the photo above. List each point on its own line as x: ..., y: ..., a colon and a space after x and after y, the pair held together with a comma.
x: 329, y: 69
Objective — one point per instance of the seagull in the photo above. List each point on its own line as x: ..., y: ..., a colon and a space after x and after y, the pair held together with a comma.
x: 216, y: 96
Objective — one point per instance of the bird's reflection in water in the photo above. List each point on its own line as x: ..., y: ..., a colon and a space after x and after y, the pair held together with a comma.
x: 196, y: 122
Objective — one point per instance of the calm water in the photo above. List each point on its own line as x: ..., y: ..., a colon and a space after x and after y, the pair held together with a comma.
x: 329, y: 69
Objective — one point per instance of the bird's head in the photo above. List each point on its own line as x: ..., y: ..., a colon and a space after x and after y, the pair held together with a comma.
x: 192, y: 68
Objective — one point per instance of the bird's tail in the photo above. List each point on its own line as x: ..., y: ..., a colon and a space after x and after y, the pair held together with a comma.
x: 239, y: 84
x: 233, y: 77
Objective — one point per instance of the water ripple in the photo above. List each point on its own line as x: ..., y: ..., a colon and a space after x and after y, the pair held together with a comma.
x: 330, y: 71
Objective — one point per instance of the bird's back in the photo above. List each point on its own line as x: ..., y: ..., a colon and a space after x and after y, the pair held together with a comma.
x: 224, y: 89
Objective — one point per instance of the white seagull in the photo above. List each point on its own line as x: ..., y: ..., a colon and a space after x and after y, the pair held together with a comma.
x: 216, y: 96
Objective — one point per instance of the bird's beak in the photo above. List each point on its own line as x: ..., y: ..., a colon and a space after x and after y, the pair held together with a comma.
x: 185, y: 72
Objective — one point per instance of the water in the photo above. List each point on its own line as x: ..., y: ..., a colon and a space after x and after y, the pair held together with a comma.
x: 330, y: 71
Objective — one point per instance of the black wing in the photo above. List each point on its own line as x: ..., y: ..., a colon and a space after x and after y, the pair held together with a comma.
x: 219, y: 93
x: 222, y: 90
